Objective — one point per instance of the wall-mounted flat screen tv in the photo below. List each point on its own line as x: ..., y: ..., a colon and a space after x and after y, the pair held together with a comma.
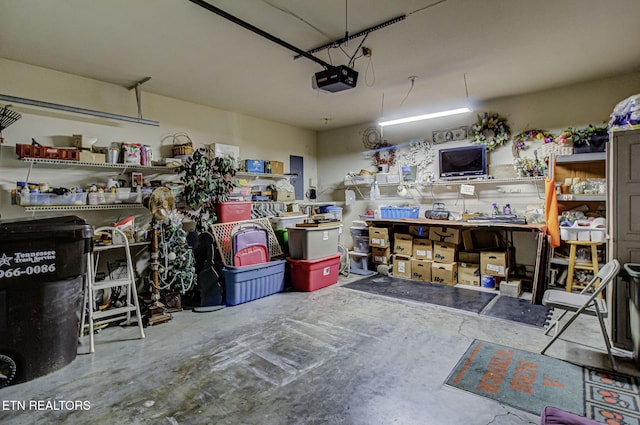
x: 461, y: 162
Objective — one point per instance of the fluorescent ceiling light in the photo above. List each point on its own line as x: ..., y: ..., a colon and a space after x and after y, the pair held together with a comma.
x: 425, y: 116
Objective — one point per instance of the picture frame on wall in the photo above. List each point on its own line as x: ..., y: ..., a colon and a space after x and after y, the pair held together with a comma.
x: 450, y: 134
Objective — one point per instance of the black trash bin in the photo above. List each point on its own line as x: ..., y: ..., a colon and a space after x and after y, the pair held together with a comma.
x: 632, y: 274
x: 42, y: 262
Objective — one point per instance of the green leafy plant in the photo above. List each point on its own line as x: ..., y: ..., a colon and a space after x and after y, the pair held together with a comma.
x: 583, y: 136
x: 207, y: 181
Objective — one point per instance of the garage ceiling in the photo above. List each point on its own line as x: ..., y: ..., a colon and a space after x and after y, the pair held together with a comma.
x: 500, y: 47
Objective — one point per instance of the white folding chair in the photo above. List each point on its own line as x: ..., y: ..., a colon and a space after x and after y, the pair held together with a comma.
x: 586, y: 302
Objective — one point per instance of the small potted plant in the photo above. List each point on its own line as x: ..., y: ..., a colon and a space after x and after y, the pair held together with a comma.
x: 208, y: 181
x: 590, y: 139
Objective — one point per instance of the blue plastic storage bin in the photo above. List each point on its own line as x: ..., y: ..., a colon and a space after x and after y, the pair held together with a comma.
x: 248, y: 283
x: 399, y: 212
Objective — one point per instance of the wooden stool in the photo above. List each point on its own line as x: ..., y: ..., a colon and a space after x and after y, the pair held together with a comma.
x: 593, y: 265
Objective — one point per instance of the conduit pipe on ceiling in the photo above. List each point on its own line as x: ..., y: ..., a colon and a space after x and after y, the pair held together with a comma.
x: 260, y: 32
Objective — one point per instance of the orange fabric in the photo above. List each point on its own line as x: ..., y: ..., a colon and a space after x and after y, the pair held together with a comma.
x: 551, y: 209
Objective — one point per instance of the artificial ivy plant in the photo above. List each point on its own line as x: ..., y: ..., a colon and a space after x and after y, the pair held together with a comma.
x: 583, y: 136
x: 207, y: 180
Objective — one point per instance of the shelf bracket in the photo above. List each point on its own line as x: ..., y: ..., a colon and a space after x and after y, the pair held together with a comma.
x: 137, y: 86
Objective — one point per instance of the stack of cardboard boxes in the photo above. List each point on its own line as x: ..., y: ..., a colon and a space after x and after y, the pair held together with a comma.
x: 439, y: 254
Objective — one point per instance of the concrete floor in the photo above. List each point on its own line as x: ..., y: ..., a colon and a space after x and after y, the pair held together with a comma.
x: 334, y: 356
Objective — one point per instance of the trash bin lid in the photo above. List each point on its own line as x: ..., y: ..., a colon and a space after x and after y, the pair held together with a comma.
x: 632, y: 269
x: 69, y: 226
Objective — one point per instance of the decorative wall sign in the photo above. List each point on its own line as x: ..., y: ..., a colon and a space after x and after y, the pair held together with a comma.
x: 450, y: 134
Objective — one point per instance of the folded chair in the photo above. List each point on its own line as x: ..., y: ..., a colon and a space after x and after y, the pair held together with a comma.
x: 586, y: 302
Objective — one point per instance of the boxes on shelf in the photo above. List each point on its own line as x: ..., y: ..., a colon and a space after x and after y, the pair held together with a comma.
x: 402, y: 266
x: 403, y: 244
x: 381, y: 255
x: 379, y: 237
x: 419, y: 231
x: 254, y: 165
x: 83, y: 141
x: 469, y: 257
x: 34, y: 151
x: 478, y: 239
x: 469, y: 273
x: 423, y: 249
x: 97, y: 158
x: 444, y: 252
x: 233, y: 211
x: 444, y: 273
x: 310, y: 275
x: 445, y: 234
x: 400, y: 212
x: 511, y: 288
x: 493, y: 263
x: 247, y: 283
x: 221, y: 150
x: 277, y: 167
x: 421, y: 270
x: 283, y: 196
x: 311, y: 243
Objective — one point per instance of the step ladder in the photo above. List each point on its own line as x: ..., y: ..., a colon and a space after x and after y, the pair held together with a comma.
x: 128, y: 283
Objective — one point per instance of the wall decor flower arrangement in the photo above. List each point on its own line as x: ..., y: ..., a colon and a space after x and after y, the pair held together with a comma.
x: 491, y: 130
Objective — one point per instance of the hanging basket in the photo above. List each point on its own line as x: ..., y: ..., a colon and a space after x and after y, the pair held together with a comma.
x: 182, y: 145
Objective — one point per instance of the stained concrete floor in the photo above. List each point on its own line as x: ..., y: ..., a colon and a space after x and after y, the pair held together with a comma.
x: 334, y: 356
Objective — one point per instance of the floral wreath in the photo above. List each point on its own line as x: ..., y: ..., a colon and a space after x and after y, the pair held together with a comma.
x: 384, y: 153
x: 520, y: 141
x: 490, y: 124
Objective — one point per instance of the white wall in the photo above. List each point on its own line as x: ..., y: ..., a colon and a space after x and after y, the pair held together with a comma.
x: 257, y: 138
x: 341, y: 151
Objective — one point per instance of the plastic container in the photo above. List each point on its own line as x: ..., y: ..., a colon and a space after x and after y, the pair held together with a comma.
x: 400, y: 212
x: 41, y: 292
x: 311, y: 243
x: 336, y: 211
x: 361, y: 244
x: 283, y: 239
x: 233, y: 211
x: 284, y: 222
x: 487, y: 281
x: 311, y: 275
x: 248, y: 283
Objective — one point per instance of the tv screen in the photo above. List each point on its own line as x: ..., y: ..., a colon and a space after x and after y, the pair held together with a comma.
x: 465, y: 161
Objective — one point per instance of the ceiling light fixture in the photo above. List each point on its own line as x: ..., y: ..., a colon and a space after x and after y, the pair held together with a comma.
x: 425, y: 116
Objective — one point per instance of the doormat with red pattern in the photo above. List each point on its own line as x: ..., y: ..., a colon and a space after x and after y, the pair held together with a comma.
x: 531, y: 381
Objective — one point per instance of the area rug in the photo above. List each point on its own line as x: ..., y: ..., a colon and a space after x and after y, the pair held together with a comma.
x: 531, y: 381
x: 426, y: 292
x: 519, y: 310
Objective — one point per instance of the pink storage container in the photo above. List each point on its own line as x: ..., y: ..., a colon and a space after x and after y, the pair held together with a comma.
x: 233, y: 211
x: 310, y: 275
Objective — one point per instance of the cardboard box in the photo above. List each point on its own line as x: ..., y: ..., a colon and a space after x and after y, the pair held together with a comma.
x: 419, y: 231
x: 444, y: 273
x: 423, y: 249
x: 421, y: 270
x: 403, y: 244
x: 478, y: 239
x: 493, y: 263
x: 83, y: 141
x: 98, y: 158
x: 402, y: 266
x: 277, y: 167
x: 379, y: 236
x: 381, y: 255
x: 469, y: 273
x: 281, y: 195
x: 469, y: 257
x: 445, y: 234
x: 444, y: 252
x: 512, y: 288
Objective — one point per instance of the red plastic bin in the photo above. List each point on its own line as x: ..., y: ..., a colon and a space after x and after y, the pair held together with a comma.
x: 310, y: 275
x: 233, y: 211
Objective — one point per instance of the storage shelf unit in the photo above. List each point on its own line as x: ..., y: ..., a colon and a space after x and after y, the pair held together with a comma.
x: 51, y: 208
x: 510, y: 180
x: 106, y: 165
